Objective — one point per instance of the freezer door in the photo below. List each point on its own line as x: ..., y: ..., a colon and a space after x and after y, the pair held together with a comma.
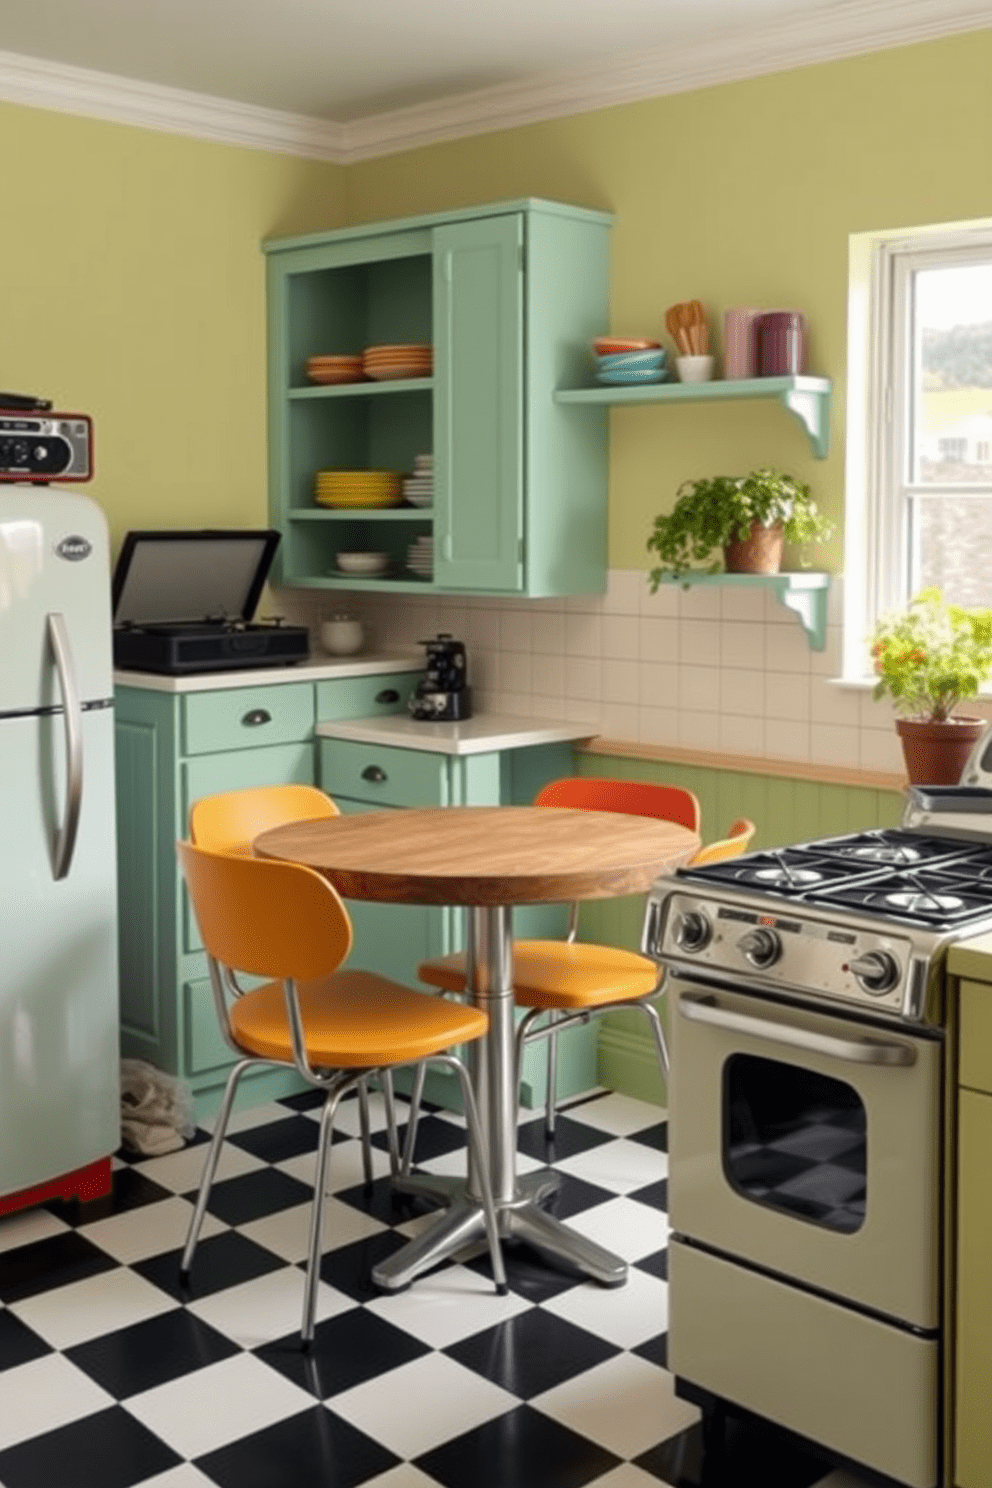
x: 59, y: 1065
x: 54, y: 559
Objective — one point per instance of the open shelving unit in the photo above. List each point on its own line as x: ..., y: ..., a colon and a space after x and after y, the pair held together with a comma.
x: 804, y: 593
x: 808, y: 398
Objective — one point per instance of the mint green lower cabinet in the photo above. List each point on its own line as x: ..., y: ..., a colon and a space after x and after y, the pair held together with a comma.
x: 392, y: 939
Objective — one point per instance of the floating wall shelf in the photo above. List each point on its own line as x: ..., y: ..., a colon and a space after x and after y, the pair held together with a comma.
x: 804, y: 593
x: 806, y: 397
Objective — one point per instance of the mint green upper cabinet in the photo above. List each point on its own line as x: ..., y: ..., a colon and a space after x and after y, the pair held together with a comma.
x: 510, y: 295
x: 478, y: 372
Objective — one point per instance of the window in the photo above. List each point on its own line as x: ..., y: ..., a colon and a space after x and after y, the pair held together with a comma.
x: 919, y: 479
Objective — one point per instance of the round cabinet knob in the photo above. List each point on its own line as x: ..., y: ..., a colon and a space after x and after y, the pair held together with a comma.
x: 876, y: 971
x: 760, y: 947
x: 693, y: 931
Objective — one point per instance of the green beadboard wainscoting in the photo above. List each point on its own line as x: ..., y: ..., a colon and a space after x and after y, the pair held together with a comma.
x: 783, y: 809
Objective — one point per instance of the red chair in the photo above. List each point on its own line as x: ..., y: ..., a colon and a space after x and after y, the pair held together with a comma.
x: 570, y: 981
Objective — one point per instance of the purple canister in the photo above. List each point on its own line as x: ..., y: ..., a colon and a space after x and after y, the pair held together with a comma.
x: 740, y: 342
x: 781, y: 343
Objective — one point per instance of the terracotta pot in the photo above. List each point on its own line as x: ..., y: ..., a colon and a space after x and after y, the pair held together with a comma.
x: 761, y: 552
x: 936, y: 753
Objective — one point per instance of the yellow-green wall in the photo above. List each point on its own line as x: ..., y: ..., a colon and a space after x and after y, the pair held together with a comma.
x: 742, y: 194
x: 133, y: 282
x: 133, y: 289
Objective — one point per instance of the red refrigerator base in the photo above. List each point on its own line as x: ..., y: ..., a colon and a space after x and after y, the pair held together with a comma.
x: 91, y: 1182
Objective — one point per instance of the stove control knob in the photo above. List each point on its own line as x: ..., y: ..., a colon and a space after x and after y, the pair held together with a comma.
x: 876, y: 971
x: 693, y: 932
x: 760, y: 947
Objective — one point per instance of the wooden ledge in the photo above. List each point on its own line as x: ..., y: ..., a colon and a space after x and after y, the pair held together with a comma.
x: 748, y: 764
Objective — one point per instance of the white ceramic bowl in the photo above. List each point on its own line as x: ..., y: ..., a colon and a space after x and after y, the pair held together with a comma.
x: 362, y: 563
x: 695, y: 368
x: 341, y: 635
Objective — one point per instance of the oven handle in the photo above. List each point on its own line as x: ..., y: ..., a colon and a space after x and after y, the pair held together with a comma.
x: 703, y: 1007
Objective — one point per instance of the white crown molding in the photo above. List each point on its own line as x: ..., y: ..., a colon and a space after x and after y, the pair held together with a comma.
x: 103, y: 95
x: 850, y: 28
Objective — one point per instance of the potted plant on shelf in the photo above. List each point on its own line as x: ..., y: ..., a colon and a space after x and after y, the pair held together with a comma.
x: 928, y: 658
x: 746, y: 516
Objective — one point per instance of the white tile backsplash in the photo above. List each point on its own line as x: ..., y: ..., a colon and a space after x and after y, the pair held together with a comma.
x: 715, y: 667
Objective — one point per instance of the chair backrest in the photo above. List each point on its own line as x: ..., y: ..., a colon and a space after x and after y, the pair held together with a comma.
x: 266, y: 918
x: 631, y: 797
x: 732, y: 846
x: 230, y: 821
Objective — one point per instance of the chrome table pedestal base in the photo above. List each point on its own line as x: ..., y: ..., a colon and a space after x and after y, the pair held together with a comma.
x: 517, y: 1200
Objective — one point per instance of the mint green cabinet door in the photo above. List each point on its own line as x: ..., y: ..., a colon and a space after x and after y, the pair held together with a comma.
x: 478, y: 404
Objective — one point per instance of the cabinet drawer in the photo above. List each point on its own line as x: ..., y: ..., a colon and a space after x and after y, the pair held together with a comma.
x: 975, y: 1063
x: 383, y: 776
x: 365, y: 697
x: 246, y: 717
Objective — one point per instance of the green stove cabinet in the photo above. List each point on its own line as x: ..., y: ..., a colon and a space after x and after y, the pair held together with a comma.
x: 510, y: 296
x: 171, y: 748
x: 391, y: 938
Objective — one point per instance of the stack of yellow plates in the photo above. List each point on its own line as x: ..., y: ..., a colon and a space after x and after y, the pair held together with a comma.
x: 410, y: 359
x: 357, y: 488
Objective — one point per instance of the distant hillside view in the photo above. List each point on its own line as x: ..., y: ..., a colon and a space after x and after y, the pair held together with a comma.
x: 954, y: 447
x: 954, y: 442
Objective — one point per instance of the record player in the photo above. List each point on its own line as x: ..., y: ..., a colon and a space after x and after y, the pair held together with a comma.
x: 184, y: 601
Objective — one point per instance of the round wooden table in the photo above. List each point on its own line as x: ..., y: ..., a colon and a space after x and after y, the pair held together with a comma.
x: 489, y: 858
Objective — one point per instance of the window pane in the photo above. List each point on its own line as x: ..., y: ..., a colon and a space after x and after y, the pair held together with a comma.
x: 951, y: 393
x: 952, y: 547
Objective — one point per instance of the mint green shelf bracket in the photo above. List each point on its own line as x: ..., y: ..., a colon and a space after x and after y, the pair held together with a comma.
x: 803, y: 593
x: 808, y: 398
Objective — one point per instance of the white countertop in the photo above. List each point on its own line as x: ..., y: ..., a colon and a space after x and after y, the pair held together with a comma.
x: 482, y: 734
x: 316, y: 669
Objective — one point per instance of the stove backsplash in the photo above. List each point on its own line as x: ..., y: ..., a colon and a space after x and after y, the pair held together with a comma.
x: 710, y: 668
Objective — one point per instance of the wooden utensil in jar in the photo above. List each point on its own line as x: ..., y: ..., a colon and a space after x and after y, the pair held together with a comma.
x: 677, y: 327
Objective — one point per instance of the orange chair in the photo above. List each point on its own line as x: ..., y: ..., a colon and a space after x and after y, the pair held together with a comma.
x: 737, y: 841
x: 569, y: 981
x: 229, y: 822
x: 284, y: 922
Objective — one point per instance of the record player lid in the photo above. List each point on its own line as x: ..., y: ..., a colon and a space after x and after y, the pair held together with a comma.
x: 176, y: 576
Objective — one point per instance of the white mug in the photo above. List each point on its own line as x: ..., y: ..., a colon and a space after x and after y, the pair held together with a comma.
x: 342, y: 635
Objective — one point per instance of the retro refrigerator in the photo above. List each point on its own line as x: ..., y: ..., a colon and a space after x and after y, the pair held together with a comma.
x: 59, y: 1057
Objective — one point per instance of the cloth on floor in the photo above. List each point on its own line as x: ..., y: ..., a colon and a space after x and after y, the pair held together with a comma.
x: 156, y: 1109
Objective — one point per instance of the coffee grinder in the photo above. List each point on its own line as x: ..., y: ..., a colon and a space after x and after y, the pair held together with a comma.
x: 443, y: 695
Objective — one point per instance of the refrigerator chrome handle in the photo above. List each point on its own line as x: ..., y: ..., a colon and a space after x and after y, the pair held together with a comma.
x: 704, y: 1007
x: 58, y: 635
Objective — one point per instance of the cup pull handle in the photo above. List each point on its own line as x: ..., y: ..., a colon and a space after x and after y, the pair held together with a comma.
x: 255, y: 717
x: 387, y: 695
x: 375, y: 773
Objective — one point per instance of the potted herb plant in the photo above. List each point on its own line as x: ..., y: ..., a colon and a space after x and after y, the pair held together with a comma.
x: 745, y: 516
x: 928, y: 659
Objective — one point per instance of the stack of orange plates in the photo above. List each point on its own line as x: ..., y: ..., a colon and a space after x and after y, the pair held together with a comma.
x: 357, y: 488
x: 411, y: 359
x: 334, y: 369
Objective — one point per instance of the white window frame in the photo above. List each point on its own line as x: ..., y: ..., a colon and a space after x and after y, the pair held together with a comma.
x: 878, y: 387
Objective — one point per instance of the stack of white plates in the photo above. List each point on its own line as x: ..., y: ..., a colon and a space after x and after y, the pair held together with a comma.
x: 420, y: 557
x: 418, y: 488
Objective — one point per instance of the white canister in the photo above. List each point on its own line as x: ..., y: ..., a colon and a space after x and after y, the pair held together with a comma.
x: 342, y: 635
x: 740, y: 342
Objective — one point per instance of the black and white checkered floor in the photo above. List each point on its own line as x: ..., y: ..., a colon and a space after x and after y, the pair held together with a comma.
x: 111, y: 1376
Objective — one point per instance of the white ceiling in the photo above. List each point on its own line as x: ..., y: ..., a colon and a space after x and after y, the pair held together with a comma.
x: 383, y: 71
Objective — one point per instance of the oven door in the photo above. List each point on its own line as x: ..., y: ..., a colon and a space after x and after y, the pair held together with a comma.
x: 807, y: 1144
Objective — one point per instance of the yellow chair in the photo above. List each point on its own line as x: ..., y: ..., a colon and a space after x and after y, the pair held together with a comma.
x: 736, y: 842
x: 283, y: 921
x: 568, y: 982
x: 229, y: 822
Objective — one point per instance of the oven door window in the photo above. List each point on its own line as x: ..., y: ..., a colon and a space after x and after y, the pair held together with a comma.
x: 796, y: 1141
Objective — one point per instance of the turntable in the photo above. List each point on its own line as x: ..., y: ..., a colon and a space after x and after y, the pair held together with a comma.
x: 183, y: 602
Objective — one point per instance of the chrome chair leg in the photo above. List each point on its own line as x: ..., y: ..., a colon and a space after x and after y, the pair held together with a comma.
x: 386, y: 1076
x: 480, y: 1160
x: 416, y: 1096
x: 363, y: 1116
x: 661, y: 1043
x: 551, y: 1096
x: 317, y: 1208
x: 210, y: 1166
